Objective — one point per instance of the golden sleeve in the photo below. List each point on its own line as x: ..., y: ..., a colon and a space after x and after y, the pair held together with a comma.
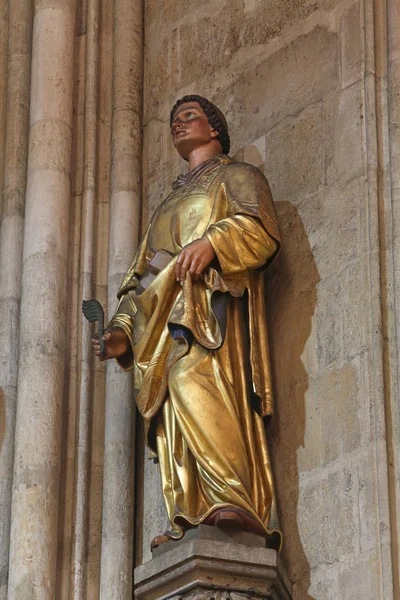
x: 241, y: 243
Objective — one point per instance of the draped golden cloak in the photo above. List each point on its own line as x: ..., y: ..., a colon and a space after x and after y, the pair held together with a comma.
x: 203, y: 395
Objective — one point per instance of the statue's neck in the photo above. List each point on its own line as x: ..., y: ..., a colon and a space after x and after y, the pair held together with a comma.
x: 200, y: 155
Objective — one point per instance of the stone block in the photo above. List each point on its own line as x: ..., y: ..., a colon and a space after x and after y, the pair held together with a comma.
x: 359, y: 579
x: 124, y: 233
x: 367, y: 503
x: 13, y: 203
x: 213, y: 566
x: 351, y: 51
x: 46, y: 191
x: 189, y: 43
x: 51, y: 70
x: 337, y: 242
x: 311, y: 213
x: 41, y: 324
x: 334, y: 408
x: 269, y: 89
x: 254, y: 153
x: 355, y: 315
x: 170, y: 13
x: 220, y: 28
x: 325, y: 584
x: 294, y: 157
x: 328, y: 516
x: 329, y: 323
x: 45, y: 148
x: 264, y: 21
x: 125, y: 151
x: 349, y: 150
x: 34, y: 509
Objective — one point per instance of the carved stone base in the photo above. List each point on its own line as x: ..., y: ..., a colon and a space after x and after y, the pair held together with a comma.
x: 201, y: 594
x: 213, y: 569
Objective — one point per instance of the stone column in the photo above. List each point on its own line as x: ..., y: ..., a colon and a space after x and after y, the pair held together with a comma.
x: 117, y: 534
x: 11, y: 239
x: 33, y: 547
x: 86, y: 292
x: 393, y: 48
x: 3, y: 84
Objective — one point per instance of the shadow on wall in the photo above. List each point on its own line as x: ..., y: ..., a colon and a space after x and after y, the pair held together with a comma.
x: 291, y: 299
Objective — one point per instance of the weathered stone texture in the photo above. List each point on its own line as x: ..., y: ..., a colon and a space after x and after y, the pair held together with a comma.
x: 340, y: 388
x: 351, y: 57
x: 302, y: 160
x: 267, y: 20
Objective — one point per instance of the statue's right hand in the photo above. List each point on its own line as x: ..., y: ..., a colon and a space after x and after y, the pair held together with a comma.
x: 116, y: 343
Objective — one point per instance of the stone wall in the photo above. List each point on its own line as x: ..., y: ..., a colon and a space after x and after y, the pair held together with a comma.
x: 311, y: 92
x: 303, y: 86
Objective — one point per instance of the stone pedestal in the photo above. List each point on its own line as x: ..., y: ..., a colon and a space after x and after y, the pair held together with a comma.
x: 211, y: 564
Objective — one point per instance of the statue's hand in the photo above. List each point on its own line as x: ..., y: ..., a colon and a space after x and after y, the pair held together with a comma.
x: 116, y: 344
x: 194, y: 257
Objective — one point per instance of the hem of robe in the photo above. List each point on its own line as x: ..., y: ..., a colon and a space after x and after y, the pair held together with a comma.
x: 196, y: 522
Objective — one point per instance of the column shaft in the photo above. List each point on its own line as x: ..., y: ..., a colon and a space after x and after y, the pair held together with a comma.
x: 33, y: 547
x: 11, y: 241
x: 393, y: 48
x: 3, y: 85
x: 117, y: 534
x: 83, y: 448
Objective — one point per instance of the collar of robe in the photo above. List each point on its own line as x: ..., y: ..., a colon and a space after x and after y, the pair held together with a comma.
x: 201, y: 169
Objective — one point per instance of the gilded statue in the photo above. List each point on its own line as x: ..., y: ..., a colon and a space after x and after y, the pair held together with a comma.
x: 191, y: 324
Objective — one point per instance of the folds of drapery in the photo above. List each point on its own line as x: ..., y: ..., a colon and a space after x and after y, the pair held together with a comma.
x: 244, y: 233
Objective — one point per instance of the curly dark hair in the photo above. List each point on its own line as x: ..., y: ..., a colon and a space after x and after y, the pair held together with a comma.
x: 215, y: 118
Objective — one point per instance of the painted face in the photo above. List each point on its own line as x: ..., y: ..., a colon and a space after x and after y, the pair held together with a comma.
x: 190, y: 128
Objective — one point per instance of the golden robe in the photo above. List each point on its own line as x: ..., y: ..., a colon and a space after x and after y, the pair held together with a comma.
x: 201, y: 361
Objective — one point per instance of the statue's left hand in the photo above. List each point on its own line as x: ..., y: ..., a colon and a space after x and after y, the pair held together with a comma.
x: 194, y: 257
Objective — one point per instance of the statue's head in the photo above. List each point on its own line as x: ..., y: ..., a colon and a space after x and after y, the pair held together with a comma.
x: 195, y: 120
